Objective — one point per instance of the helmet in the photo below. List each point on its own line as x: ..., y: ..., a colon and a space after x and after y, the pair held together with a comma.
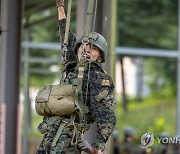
x: 164, y: 134
x: 95, y: 39
x: 129, y: 131
x: 115, y: 134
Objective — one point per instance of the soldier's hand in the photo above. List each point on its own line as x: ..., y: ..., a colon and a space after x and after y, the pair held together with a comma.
x: 86, y: 147
x: 59, y: 3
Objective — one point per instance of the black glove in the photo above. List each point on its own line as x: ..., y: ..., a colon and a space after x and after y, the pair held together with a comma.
x: 59, y: 3
x: 86, y: 147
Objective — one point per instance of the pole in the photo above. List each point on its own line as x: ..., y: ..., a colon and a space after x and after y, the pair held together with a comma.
x: 109, y: 31
x: 124, y: 100
x: 11, y: 17
x: 139, y: 78
x: 26, y: 101
x: 178, y: 76
x: 113, y: 31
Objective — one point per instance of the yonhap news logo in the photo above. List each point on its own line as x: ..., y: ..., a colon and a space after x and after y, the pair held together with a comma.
x: 147, y: 140
x: 167, y: 140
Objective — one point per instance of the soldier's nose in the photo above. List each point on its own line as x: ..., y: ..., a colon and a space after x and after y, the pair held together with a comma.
x: 88, y: 51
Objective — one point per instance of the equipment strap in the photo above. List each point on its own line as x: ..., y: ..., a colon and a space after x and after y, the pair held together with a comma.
x: 65, y: 42
x: 67, y: 22
x: 81, y: 67
x: 58, y: 134
x: 88, y: 20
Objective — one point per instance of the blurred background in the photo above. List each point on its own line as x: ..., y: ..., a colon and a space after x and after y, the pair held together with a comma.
x: 143, y: 60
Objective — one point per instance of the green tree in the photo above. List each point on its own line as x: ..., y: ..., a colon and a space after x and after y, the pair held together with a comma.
x: 151, y: 24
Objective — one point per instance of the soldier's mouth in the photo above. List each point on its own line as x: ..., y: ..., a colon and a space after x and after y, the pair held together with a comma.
x: 88, y: 57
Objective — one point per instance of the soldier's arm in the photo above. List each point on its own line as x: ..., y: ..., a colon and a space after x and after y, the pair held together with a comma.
x: 103, y: 107
x: 61, y: 21
x: 62, y: 25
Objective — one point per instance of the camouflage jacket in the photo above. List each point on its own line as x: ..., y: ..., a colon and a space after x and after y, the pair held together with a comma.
x: 99, y: 99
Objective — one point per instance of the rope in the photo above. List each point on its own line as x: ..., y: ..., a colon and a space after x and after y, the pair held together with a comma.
x: 89, y: 67
x: 67, y: 22
x: 65, y: 42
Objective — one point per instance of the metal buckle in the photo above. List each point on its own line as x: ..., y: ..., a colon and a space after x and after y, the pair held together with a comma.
x: 93, y: 37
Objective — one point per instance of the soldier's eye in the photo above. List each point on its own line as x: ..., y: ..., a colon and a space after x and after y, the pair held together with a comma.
x: 94, y: 48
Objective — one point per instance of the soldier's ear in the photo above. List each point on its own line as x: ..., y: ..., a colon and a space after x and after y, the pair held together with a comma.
x: 99, y: 59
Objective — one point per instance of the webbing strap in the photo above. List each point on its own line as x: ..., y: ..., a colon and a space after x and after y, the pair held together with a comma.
x: 95, y: 10
x: 79, y: 105
x: 78, y: 92
x: 88, y: 20
x: 58, y: 134
x: 65, y: 42
x: 85, y: 41
x: 67, y: 22
x: 73, y: 127
x: 80, y: 75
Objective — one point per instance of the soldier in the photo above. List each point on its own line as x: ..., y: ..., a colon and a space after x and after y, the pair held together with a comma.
x: 115, y: 142
x: 176, y: 146
x: 163, y: 148
x: 63, y: 134
x: 127, y: 146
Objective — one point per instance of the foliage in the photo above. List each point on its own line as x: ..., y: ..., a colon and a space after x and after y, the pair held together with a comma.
x: 163, y: 73
x: 155, y: 114
x: 151, y: 24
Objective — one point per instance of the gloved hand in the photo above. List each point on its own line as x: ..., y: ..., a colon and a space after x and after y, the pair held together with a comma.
x: 42, y: 128
x: 59, y: 3
x: 86, y: 147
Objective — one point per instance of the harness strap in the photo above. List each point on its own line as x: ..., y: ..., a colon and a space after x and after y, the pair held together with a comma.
x: 88, y: 20
x: 58, y: 134
x: 79, y: 105
x: 67, y: 22
x: 85, y: 41
x: 74, y: 137
x: 79, y: 89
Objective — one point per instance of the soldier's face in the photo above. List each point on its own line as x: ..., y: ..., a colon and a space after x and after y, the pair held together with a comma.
x: 92, y: 53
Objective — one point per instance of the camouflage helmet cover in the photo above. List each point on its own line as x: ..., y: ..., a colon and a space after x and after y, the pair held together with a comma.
x: 97, y: 40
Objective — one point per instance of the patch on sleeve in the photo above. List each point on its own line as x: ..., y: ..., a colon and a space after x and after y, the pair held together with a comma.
x: 105, y: 83
x: 101, y: 95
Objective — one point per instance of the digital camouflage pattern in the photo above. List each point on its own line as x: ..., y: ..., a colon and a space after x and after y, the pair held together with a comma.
x: 99, y: 100
x: 49, y: 127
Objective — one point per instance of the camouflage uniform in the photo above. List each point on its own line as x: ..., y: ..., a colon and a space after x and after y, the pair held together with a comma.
x: 101, y: 108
